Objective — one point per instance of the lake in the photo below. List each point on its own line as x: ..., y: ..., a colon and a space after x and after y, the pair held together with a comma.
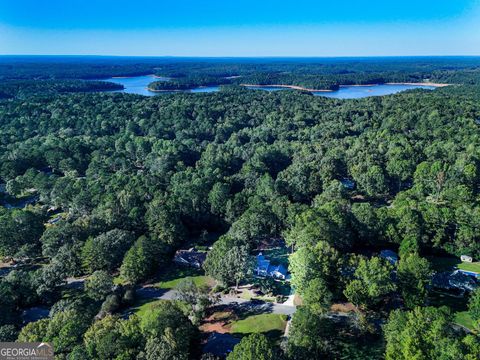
x: 357, y: 92
x: 138, y: 85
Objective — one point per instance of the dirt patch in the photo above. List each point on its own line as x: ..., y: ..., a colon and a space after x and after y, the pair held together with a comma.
x: 220, y: 316
x: 218, y: 322
x: 358, y: 197
x: 343, y: 307
x: 297, y: 300
x: 217, y: 327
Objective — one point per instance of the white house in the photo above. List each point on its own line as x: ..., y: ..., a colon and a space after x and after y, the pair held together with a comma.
x: 466, y: 258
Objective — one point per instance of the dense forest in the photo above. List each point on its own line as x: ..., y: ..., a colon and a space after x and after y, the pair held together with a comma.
x: 188, y: 73
x: 106, y: 187
x: 27, y: 88
x: 319, y: 76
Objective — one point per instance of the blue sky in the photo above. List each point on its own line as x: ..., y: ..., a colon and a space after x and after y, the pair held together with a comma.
x: 240, y: 27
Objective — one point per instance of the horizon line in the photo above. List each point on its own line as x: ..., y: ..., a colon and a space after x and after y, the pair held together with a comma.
x: 241, y: 57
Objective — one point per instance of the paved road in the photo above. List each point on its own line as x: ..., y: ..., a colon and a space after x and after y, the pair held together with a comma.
x: 258, y: 306
x: 286, y: 308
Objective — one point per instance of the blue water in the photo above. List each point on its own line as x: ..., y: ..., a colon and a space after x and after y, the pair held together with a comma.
x: 205, y: 89
x: 139, y: 84
x: 266, y: 88
x: 357, y: 92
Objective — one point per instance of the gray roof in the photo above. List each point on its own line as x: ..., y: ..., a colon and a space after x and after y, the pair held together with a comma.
x: 454, y: 280
x: 263, y: 265
x: 192, y: 257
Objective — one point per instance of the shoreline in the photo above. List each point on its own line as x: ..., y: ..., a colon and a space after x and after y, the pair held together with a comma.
x: 181, y: 90
x: 177, y: 90
x: 294, y: 87
x: 127, y: 77
x: 160, y: 77
x: 419, y: 84
x: 134, y: 76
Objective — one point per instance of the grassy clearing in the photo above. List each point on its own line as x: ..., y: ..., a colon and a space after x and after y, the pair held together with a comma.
x: 144, y: 307
x: 463, y: 318
x: 264, y: 323
x: 172, y: 277
x: 169, y: 280
x: 474, y: 267
x: 200, y: 280
x: 176, y: 274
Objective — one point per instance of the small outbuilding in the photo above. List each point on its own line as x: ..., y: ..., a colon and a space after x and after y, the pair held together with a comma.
x: 466, y: 258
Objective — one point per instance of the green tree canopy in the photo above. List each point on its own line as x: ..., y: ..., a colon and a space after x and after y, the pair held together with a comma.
x: 373, y: 280
x: 252, y: 347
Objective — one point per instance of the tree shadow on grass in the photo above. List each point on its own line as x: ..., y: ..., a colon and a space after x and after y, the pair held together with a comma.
x: 178, y: 271
x: 251, y: 308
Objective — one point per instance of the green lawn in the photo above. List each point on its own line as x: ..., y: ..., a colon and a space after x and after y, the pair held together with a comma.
x: 144, y: 307
x: 200, y: 280
x: 463, y: 318
x: 170, y: 278
x: 475, y: 266
x: 264, y: 323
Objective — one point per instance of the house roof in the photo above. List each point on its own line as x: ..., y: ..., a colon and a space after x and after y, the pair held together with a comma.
x: 389, y: 255
x: 454, y: 280
x: 190, y: 256
x: 279, y: 268
x: 264, y: 265
x: 347, y: 183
